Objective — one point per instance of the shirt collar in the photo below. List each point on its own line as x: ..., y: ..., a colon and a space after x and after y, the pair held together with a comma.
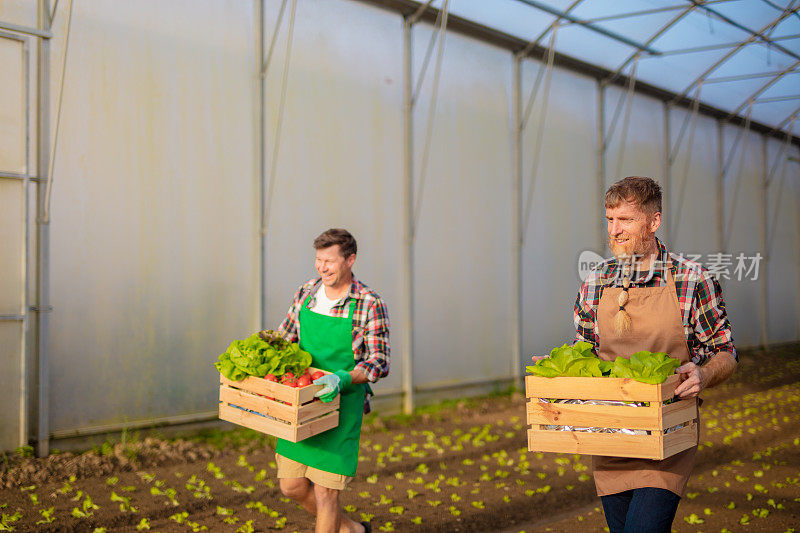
x: 657, y: 267
x: 352, y: 293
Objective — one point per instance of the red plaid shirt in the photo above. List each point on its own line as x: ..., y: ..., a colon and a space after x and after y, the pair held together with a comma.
x: 370, y: 325
x: 705, y: 321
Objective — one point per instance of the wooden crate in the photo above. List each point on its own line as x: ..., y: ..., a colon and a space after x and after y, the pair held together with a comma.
x: 654, y: 418
x: 300, y: 417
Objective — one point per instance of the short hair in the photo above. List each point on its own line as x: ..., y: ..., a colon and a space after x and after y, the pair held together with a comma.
x: 642, y: 191
x: 342, y: 237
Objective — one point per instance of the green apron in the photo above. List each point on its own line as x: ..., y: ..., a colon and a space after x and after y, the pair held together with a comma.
x: 329, y: 340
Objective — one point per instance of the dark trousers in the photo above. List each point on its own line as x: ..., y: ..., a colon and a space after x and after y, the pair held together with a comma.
x: 645, y: 510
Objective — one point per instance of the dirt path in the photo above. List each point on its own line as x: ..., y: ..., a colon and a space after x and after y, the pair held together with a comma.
x: 465, y: 468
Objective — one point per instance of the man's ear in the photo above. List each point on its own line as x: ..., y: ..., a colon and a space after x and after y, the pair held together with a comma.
x: 655, y: 222
x: 350, y: 260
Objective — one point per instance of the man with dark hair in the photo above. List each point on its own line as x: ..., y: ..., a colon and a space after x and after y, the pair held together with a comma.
x: 646, y: 298
x: 344, y: 325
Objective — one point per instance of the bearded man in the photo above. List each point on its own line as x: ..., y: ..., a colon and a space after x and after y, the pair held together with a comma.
x: 647, y: 298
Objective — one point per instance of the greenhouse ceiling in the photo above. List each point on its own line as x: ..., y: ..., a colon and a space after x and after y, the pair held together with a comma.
x: 739, y: 58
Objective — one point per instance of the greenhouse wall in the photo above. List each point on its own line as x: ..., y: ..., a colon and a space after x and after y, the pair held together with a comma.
x: 156, y: 223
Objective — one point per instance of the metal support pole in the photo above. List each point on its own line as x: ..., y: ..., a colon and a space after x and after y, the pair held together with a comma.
x: 797, y: 202
x: 408, y: 229
x: 764, y: 237
x: 720, y: 189
x: 36, y: 32
x: 25, y: 378
x: 43, y: 232
x: 665, y: 208
x: 516, y: 226
x: 262, y: 171
x: 601, y: 162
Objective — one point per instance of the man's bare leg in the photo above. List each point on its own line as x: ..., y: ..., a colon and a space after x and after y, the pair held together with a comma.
x: 300, y: 490
x: 330, y: 518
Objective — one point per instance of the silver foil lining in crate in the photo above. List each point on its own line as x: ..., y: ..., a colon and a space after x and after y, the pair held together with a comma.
x: 605, y: 430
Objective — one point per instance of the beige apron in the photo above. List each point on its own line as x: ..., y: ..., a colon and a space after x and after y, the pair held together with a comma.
x: 656, y: 325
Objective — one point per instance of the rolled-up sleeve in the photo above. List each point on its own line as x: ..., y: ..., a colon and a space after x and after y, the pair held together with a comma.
x: 375, y: 363
x: 289, y: 328
x: 584, y: 313
x: 710, y: 324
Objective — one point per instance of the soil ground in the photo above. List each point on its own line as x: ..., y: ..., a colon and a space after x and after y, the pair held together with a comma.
x: 461, y: 467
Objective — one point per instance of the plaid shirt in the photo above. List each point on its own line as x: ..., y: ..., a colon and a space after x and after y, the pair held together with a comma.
x: 370, y: 325
x: 705, y: 322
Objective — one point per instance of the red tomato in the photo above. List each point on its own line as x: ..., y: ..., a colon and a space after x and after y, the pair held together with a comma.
x: 271, y: 377
x: 304, y: 381
x: 318, y: 374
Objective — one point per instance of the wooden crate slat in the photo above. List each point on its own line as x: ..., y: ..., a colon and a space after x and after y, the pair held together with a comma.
x: 655, y: 418
x: 583, y: 388
x: 262, y: 386
x: 297, y: 419
x: 317, y: 426
x: 680, y: 439
x: 679, y: 412
x: 263, y: 405
x: 275, y: 390
x: 313, y: 410
x: 256, y: 422
x: 583, y: 415
x: 613, y: 444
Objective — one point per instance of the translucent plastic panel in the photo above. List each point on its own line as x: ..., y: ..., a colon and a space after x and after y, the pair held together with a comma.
x: 774, y: 113
x: 787, y: 85
x: 12, y: 106
x: 793, y: 45
x: 699, y: 29
x: 641, y: 28
x: 677, y: 72
x: 510, y: 16
x: 592, y: 9
x: 731, y: 95
x: 754, y: 58
x: 22, y: 12
x: 788, y: 26
x: 752, y: 15
x: 592, y: 47
x: 10, y: 385
x: 12, y: 245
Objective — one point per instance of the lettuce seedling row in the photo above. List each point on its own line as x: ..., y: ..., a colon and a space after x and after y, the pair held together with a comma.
x: 652, y: 420
x: 289, y: 413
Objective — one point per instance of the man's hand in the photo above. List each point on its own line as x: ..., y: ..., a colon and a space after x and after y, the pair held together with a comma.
x: 693, y: 380
x: 332, y: 385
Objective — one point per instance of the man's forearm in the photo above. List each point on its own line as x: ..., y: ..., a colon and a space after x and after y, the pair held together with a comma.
x: 718, y: 369
x: 358, y: 376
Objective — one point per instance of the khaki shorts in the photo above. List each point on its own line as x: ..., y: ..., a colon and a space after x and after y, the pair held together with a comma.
x: 289, y: 469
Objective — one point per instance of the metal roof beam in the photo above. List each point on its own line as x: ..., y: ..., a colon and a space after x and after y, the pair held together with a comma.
x: 741, y: 77
x: 712, y: 47
x: 723, y: 59
x: 655, y: 36
x: 513, y: 44
x: 557, y: 22
x: 764, y: 87
x: 589, y: 26
x: 760, y: 35
x: 787, y: 121
x: 656, y: 10
x: 786, y: 98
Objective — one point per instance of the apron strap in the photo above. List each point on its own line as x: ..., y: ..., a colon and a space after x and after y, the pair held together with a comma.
x: 673, y: 290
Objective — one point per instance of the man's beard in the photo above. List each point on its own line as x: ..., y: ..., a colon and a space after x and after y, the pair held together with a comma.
x: 633, y: 249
